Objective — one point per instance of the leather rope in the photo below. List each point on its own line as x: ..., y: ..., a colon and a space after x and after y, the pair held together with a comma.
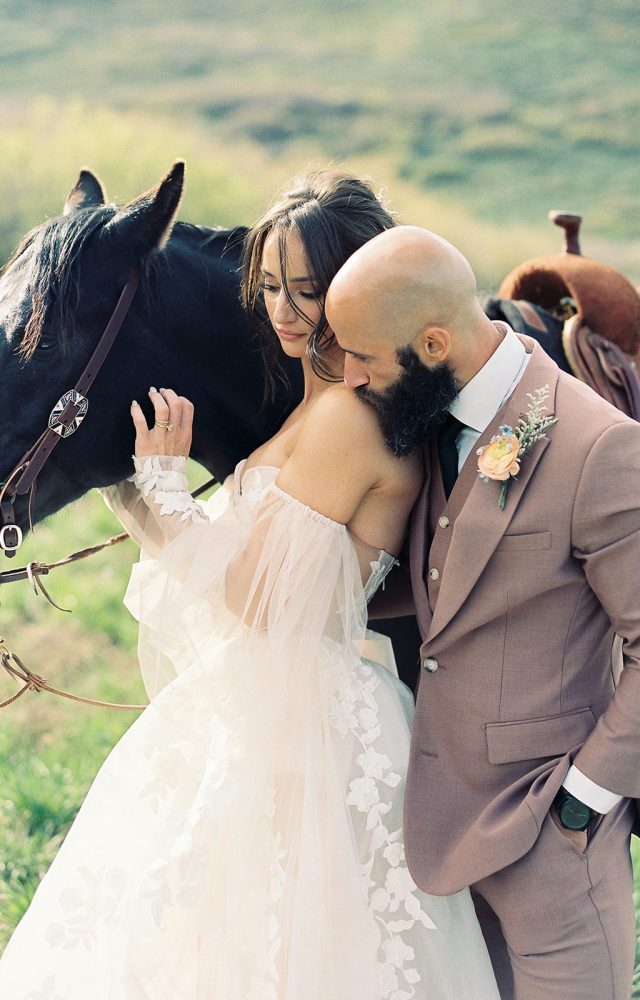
x: 12, y: 663
x: 33, y: 682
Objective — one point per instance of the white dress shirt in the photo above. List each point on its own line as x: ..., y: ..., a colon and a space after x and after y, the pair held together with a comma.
x: 475, y: 406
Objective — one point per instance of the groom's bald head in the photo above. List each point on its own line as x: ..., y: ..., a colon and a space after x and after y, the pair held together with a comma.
x: 403, y: 283
x: 404, y: 310
x: 408, y: 287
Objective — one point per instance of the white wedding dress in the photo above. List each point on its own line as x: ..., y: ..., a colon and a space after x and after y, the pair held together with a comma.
x: 243, y: 840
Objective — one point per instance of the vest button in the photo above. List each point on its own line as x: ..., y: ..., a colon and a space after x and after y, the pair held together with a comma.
x: 444, y: 521
x: 434, y: 573
x: 430, y: 665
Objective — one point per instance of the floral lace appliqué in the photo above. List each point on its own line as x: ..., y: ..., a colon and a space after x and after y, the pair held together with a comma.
x: 380, y: 569
x: 94, y: 901
x: 264, y: 983
x: 46, y: 992
x: 391, y: 892
x: 163, y: 477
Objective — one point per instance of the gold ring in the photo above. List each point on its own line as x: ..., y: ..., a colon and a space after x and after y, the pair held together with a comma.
x: 164, y: 424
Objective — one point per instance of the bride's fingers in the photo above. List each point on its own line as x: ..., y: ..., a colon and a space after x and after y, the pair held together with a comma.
x: 181, y: 410
x: 187, y: 414
x: 174, y: 403
x: 160, y: 405
x: 181, y: 419
x: 143, y: 435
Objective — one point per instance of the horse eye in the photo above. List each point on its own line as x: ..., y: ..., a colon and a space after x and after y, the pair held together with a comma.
x: 46, y: 342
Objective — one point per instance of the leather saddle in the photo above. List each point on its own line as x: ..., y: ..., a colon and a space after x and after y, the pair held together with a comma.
x: 584, y: 314
x: 602, y: 365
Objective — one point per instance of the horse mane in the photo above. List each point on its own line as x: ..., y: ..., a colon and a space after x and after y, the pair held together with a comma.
x: 56, y: 279
x: 57, y: 274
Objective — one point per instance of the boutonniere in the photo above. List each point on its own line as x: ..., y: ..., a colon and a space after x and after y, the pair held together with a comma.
x: 500, y: 459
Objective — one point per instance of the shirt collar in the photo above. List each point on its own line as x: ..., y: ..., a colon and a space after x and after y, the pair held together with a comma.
x: 480, y: 399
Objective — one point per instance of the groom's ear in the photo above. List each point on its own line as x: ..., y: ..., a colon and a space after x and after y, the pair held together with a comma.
x: 433, y: 345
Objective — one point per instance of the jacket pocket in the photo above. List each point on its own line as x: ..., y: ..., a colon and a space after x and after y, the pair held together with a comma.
x: 533, y: 542
x: 535, y: 738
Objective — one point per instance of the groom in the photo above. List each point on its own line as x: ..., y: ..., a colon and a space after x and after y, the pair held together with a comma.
x: 526, y: 745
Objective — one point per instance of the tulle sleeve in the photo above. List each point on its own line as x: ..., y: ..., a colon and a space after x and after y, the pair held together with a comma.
x: 272, y: 570
x: 154, y: 505
x: 297, y: 579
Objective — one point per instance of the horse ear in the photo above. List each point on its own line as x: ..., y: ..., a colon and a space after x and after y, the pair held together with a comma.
x: 88, y: 192
x: 148, y: 219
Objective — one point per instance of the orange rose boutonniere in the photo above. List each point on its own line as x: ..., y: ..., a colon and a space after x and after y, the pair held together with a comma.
x: 500, y: 459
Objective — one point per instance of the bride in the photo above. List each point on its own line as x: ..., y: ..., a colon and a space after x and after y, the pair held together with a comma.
x: 243, y: 840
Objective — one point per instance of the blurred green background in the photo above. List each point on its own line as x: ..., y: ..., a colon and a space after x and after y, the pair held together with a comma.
x: 475, y: 116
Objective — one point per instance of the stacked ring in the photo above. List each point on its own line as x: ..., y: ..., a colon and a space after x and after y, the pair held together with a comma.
x: 164, y: 424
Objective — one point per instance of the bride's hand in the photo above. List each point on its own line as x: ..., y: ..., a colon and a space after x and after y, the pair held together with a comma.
x: 171, y: 432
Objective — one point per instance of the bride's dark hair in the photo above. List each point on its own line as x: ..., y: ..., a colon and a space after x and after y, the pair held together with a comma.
x: 334, y: 214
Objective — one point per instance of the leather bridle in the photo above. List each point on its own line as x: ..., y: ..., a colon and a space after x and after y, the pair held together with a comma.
x: 64, y: 419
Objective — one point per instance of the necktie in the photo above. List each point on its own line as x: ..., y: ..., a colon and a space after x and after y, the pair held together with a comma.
x: 448, y: 453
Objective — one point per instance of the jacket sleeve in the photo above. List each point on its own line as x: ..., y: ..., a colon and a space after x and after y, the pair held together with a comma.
x: 606, y: 539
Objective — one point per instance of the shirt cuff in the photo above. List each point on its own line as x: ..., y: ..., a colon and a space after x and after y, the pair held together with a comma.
x: 597, y: 798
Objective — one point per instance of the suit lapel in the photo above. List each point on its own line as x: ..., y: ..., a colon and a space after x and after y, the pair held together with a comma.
x: 480, y: 524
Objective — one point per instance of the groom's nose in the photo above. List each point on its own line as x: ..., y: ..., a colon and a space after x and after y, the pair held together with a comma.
x: 354, y: 372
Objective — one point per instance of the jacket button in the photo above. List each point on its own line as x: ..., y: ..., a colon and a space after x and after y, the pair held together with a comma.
x: 444, y: 521
x: 434, y: 573
x: 430, y: 665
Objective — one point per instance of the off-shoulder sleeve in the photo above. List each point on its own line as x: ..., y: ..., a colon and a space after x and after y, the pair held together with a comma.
x: 286, y: 579
x: 297, y: 578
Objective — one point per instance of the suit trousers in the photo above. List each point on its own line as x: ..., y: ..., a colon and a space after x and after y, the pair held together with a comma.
x: 559, y: 924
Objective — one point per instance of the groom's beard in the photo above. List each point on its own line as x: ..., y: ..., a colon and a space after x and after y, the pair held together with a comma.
x: 414, y: 407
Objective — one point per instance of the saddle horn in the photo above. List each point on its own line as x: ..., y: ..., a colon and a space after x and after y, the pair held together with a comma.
x: 570, y: 222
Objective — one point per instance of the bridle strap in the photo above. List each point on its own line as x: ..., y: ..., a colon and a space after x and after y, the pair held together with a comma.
x: 66, y: 416
x: 33, y: 461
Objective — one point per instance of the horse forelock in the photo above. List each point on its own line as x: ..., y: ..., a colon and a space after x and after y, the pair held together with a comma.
x: 56, y: 271
x: 54, y: 268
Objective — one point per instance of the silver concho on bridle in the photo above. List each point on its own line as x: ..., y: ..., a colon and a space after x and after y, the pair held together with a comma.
x: 64, y: 419
x: 72, y: 396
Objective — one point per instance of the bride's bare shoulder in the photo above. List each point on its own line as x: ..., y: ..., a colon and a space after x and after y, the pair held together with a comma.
x: 340, y: 418
x: 339, y: 457
x: 341, y: 403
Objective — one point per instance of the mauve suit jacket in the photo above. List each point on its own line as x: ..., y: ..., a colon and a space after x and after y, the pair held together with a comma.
x: 520, y: 621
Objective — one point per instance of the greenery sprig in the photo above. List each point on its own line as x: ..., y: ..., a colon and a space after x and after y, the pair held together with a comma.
x: 500, y: 459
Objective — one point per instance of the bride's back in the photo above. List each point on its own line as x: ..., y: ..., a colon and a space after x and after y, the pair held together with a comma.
x: 332, y: 456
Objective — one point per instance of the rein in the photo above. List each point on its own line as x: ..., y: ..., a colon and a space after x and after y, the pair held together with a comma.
x: 32, y: 572
x: 64, y: 419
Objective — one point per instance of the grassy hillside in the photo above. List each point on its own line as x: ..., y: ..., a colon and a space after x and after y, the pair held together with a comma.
x: 45, y: 141
x: 504, y: 109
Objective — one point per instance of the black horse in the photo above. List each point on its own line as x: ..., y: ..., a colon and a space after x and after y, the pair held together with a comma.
x: 186, y: 329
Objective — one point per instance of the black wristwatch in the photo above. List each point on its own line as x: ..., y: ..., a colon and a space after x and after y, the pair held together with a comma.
x: 572, y: 813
